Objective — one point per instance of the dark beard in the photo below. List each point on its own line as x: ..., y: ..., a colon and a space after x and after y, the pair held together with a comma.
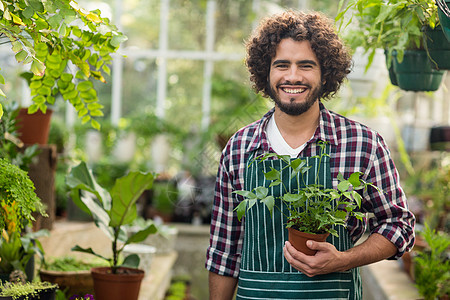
x: 296, y: 109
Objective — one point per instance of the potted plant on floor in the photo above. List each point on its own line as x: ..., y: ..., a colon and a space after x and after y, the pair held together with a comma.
x: 111, y: 211
x: 313, y: 211
x: 72, y: 275
x: 396, y: 27
x: 28, y: 290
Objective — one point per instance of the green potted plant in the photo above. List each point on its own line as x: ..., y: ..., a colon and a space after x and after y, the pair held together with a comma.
x: 46, y: 36
x: 28, y: 290
x: 18, y: 202
x: 111, y: 211
x: 313, y: 211
x: 72, y: 275
x: 397, y: 27
x: 431, y: 265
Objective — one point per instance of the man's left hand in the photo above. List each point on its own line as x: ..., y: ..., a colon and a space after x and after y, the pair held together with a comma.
x: 326, y: 260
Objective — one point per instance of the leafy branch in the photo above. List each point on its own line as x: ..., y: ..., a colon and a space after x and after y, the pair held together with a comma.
x: 48, y: 35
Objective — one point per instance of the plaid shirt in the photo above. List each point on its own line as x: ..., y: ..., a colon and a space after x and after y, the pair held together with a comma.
x: 353, y: 147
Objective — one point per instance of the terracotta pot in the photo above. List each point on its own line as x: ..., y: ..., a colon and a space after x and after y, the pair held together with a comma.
x: 76, y: 282
x: 298, y: 240
x: 124, y: 285
x: 34, y: 128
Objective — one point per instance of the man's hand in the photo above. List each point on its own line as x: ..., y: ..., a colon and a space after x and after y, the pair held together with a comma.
x: 326, y: 260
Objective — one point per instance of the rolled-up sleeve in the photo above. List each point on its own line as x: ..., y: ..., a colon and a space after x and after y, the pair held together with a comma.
x: 392, y: 218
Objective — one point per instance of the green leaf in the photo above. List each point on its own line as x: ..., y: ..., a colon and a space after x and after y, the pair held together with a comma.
x: 33, y: 108
x: 21, y: 55
x: 246, y: 194
x: 142, y: 234
x: 28, y: 12
x: 95, y: 124
x: 288, y: 197
x: 89, y: 251
x: 343, y: 186
x: 117, y: 40
x: 354, y: 179
x: 125, y: 193
x: 241, y: 209
x: 261, y: 192
x: 37, y: 68
x: 269, y: 201
x: 273, y: 174
x: 131, y: 261
x: 84, y: 86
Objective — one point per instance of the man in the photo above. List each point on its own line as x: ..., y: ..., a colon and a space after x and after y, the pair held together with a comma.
x: 297, y: 60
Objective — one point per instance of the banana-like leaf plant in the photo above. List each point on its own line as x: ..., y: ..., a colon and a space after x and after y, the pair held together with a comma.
x: 111, y: 210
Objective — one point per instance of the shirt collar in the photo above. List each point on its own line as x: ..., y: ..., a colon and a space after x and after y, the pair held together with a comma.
x: 325, y: 132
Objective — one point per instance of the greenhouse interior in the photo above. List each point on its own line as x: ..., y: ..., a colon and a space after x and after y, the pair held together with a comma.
x: 142, y: 100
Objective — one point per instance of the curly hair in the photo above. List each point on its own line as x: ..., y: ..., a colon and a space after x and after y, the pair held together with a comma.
x: 334, y: 58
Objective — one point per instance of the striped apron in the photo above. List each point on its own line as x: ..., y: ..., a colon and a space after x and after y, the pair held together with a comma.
x: 264, y: 272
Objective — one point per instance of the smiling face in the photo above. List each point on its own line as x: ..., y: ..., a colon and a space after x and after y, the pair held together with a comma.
x: 295, y: 77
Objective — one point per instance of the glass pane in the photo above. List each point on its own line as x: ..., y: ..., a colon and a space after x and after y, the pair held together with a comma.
x: 187, y: 29
x: 139, y: 84
x: 184, y: 93
x: 233, y: 25
x: 140, y: 22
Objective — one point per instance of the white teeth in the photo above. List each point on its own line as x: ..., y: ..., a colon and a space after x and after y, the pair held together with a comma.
x: 293, y: 91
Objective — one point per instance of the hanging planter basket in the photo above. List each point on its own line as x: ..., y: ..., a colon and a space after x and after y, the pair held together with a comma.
x: 390, y: 67
x: 444, y: 16
x: 415, y: 72
x: 438, y: 47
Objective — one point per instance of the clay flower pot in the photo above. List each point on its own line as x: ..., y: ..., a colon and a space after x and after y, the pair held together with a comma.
x: 124, y: 285
x: 298, y: 240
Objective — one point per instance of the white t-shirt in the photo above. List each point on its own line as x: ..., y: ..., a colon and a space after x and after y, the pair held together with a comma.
x: 278, y: 143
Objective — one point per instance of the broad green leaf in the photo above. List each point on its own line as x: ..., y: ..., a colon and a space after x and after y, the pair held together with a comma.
x: 273, y: 174
x: 131, y: 261
x: 246, y: 194
x: 89, y: 251
x: 288, y: 197
x: 117, y: 40
x: 85, y: 119
x: 354, y: 179
x: 357, y: 197
x: 261, y: 192
x: 82, y: 178
x: 343, y: 186
x: 269, y: 201
x: 2, y: 79
x: 21, y: 55
x: 28, y: 12
x: 37, y: 68
x: 33, y: 108
x: 16, y: 46
x: 1, y: 111
x: 84, y: 86
x: 141, y: 235
x: 95, y: 124
x: 240, y: 209
x: 125, y: 193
